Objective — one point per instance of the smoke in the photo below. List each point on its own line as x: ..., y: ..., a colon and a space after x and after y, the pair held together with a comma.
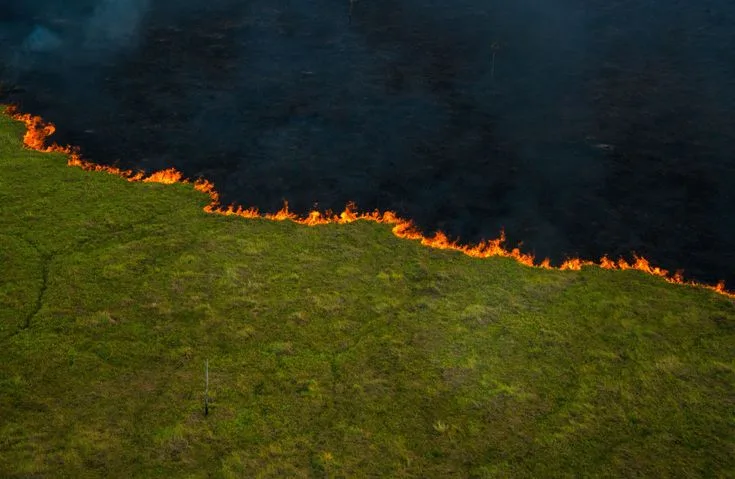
x: 53, y: 36
x: 115, y: 25
x: 41, y: 40
x: 581, y: 127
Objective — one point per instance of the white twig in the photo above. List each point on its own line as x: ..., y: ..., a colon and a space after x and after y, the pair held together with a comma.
x: 206, y: 387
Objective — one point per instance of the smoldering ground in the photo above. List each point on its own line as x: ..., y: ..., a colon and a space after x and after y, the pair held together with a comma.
x: 582, y: 127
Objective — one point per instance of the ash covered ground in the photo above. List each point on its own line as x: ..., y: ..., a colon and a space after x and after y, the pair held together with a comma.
x: 581, y: 127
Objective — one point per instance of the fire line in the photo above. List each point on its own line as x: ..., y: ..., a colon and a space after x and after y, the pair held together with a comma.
x: 37, y: 132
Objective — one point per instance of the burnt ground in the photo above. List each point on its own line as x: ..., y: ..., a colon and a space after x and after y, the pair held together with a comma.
x: 603, y: 127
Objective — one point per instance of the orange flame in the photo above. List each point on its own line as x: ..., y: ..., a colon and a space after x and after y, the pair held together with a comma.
x: 38, y: 131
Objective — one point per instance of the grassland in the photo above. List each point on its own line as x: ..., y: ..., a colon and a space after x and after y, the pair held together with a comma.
x: 334, y: 350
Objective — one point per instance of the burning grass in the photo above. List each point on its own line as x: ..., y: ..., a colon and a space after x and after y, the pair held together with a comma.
x: 38, y: 131
x: 337, y: 351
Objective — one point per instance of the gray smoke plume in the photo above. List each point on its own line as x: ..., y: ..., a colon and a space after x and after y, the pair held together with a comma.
x: 50, y: 36
x: 115, y: 24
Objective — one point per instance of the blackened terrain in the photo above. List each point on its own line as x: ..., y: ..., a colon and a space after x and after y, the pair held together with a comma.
x: 581, y: 127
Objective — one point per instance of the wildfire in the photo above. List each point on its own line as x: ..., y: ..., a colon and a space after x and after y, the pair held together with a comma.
x: 37, y: 131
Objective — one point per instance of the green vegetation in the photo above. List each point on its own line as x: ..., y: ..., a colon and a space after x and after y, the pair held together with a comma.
x: 334, y: 351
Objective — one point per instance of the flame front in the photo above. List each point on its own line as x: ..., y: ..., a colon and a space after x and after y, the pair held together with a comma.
x: 38, y: 131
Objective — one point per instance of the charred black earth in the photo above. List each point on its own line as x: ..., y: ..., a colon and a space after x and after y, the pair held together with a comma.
x: 582, y: 127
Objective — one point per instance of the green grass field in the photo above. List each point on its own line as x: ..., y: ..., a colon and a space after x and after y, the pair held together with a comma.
x: 334, y: 350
